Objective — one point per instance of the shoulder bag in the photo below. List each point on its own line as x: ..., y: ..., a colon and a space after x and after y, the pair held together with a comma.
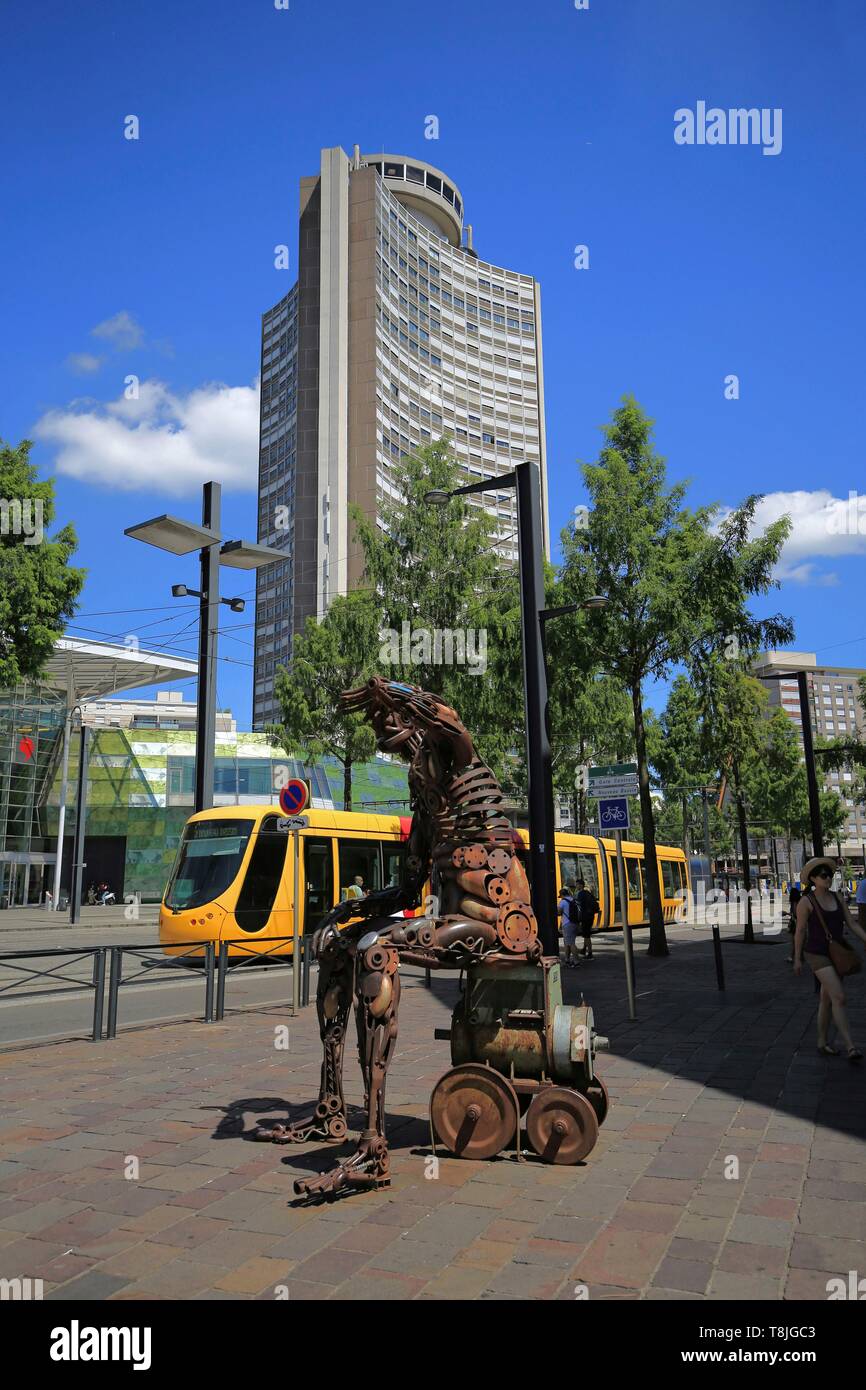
x: 842, y: 958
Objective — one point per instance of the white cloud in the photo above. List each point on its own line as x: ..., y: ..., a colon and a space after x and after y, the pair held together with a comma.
x: 161, y: 442
x: 83, y: 363
x: 822, y: 526
x: 122, y: 331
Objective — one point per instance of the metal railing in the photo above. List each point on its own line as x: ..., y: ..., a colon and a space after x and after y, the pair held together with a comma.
x: 107, y: 962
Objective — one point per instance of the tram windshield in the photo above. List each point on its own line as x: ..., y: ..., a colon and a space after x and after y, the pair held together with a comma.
x: 209, y: 858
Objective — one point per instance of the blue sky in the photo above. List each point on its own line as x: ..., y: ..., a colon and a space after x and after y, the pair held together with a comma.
x: 557, y: 125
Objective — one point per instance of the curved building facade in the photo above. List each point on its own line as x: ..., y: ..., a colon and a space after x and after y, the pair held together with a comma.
x: 395, y: 334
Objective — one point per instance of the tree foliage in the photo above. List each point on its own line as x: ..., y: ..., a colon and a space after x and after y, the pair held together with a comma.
x: 38, y: 587
x: 328, y: 657
x: 677, y: 582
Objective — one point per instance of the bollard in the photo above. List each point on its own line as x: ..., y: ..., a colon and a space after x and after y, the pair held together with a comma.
x: 98, y: 992
x: 113, y: 988
x: 305, y: 982
x: 209, y: 954
x: 717, y: 952
x: 222, y: 966
x: 427, y: 978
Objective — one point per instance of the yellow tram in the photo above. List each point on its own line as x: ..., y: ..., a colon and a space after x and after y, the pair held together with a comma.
x: 233, y: 879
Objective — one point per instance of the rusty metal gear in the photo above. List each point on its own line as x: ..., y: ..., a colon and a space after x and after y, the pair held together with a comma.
x: 561, y: 1125
x: 474, y: 1111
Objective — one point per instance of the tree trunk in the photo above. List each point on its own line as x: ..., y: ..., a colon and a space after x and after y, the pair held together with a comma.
x: 685, y: 802
x: 749, y: 934
x: 347, y: 784
x: 658, y: 942
x: 580, y: 823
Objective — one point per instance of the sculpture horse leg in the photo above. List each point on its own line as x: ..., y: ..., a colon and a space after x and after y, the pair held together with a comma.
x: 333, y: 1001
x: 377, y: 1000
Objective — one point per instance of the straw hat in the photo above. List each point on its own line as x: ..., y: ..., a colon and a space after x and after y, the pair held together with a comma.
x: 812, y: 864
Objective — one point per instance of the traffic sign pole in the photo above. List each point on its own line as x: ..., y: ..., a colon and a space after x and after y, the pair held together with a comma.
x: 296, y: 979
x: 626, y: 925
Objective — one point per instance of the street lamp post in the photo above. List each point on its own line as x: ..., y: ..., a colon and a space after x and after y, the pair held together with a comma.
x: 524, y: 478
x: 808, y: 753
x: 180, y: 538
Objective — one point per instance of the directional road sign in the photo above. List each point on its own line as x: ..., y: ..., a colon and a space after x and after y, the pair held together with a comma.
x: 613, y: 814
x: 616, y: 779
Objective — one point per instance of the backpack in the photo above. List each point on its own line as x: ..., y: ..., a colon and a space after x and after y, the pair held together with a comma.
x: 585, y: 907
x: 575, y: 912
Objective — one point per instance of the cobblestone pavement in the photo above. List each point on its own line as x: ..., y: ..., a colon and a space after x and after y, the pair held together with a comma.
x: 699, y: 1080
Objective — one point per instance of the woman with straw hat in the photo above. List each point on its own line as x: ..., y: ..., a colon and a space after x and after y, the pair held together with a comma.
x: 821, y: 917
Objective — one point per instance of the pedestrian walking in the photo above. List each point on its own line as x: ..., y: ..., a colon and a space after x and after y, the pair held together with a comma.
x: 861, y: 902
x: 819, y: 940
x: 568, y: 925
x: 587, y: 908
x: 796, y: 895
x: 838, y: 883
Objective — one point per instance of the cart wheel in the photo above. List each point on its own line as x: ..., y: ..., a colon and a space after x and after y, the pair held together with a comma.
x: 474, y: 1111
x: 561, y: 1125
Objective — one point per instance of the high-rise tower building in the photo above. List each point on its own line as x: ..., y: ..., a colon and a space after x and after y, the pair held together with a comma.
x: 395, y: 334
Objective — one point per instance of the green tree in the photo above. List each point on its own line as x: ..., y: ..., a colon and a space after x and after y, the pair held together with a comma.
x: 38, y: 587
x: 440, y: 569
x: 677, y: 584
x: 329, y: 657
x: 678, y: 754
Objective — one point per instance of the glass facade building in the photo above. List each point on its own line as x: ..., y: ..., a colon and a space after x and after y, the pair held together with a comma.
x: 395, y: 334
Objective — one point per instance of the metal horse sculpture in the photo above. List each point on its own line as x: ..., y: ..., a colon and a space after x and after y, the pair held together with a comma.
x: 461, y: 837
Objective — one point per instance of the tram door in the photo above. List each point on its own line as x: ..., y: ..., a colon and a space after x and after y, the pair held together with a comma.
x: 318, y: 881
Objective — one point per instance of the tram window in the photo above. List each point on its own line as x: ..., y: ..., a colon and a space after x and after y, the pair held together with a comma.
x: 670, y: 878
x: 359, y: 859
x: 210, y: 855
x: 633, y: 877
x: 393, y: 856
x: 587, y: 869
x: 568, y: 870
x: 319, y: 877
x: 259, y: 890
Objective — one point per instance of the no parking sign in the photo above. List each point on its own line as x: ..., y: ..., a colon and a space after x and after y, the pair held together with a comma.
x: 294, y: 796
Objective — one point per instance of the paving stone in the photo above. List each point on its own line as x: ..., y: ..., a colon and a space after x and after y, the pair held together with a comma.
x: 622, y: 1257
x: 94, y: 1286
x: 761, y: 1230
x: 744, y: 1288
x: 822, y: 1217
x: 691, y: 1276
x: 740, y: 1257
x: 417, y: 1257
x: 331, y: 1266
x: 256, y: 1275
x: 830, y: 1253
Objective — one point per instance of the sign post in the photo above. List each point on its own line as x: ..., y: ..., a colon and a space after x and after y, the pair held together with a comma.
x: 294, y: 796
x: 612, y: 786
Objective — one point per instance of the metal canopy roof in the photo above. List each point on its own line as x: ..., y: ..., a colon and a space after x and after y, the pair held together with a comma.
x: 84, y: 670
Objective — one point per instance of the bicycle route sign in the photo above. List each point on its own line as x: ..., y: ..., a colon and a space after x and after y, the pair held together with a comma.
x: 613, y: 814
x: 615, y: 780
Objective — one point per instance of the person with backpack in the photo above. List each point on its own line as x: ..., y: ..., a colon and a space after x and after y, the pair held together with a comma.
x: 586, y: 908
x: 569, y: 925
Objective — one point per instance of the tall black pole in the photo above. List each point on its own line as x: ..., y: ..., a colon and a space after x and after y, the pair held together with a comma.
x: 208, y: 623
x: 80, y: 818
x: 809, y: 754
x: 538, y: 762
